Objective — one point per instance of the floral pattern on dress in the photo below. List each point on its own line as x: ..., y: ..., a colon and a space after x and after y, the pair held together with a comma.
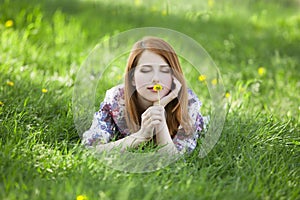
x: 109, y: 122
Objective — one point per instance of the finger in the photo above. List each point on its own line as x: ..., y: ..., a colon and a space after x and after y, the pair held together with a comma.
x: 167, y: 99
x: 176, y: 81
x: 157, y: 119
x: 157, y: 112
x: 153, y: 110
x: 149, y: 111
x: 155, y: 123
x: 144, y: 116
x: 158, y: 107
x: 158, y: 116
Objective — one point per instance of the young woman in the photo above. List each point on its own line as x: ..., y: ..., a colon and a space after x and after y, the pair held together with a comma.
x: 135, y: 112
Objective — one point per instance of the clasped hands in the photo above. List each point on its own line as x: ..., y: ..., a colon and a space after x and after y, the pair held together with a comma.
x: 154, y: 119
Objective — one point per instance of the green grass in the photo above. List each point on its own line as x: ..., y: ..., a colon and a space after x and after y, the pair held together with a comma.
x: 257, y: 156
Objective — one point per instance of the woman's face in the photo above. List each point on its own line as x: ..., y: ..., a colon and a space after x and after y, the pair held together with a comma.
x: 151, y: 69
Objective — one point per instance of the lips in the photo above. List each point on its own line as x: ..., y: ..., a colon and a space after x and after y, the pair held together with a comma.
x: 151, y: 89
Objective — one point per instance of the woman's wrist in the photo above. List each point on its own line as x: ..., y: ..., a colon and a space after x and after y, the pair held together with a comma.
x: 163, y: 136
x: 141, y: 137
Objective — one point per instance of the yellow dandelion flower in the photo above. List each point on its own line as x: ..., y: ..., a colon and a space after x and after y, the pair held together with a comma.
x: 10, y: 83
x: 119, y: 77
x: 210, y: 3
x: 44, y: 90
x: 81, y: 197
x: 164, y: 13
x: 9, y: 23
x: 157, y: 87
x: 202, y: 78
x: 1, y: 103
x: 227, y: 95
x: 214, y: 81
x: 261, y: 71
x: 137, y: 2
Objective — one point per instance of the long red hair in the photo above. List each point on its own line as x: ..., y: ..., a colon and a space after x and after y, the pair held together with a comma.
x: 177, y: 109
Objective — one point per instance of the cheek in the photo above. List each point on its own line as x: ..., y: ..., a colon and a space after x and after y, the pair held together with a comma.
x: 167, y: 80
x: 141, y: 79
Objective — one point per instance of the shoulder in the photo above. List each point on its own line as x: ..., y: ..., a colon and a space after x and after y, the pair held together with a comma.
x: 114, y: 94
x: 194, y: 105
x: 114, y: 102
x: 193, y: 100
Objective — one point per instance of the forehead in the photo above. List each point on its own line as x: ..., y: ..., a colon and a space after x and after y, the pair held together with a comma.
x: 149, y: 57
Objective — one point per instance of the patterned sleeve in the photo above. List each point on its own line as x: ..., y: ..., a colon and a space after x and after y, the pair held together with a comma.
x: 102, y: 127
x: 186, y: 143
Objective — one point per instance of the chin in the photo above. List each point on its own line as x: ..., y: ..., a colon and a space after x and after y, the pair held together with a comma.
x: 152, y: 100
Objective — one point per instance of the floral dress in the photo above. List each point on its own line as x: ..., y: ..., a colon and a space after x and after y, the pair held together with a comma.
x: 109, y: 122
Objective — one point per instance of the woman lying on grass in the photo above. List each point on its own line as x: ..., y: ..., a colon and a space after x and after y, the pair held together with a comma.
x: 154, y: 104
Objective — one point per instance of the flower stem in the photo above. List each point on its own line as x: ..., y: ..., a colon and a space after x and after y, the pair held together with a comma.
x: 158, y: 97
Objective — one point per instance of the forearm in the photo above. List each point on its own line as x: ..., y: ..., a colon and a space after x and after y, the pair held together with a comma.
x: 132, y: 140
x: 164, y: 140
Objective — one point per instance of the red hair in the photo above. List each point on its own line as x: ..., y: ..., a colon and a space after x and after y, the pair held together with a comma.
x: 177, y: 109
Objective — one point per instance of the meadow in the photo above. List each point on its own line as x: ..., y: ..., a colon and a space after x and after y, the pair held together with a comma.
x: 255, y: 45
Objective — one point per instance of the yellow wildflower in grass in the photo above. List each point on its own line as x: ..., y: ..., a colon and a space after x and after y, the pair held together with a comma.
x: 119, y: 77
x: 210, y: 3
x: 81, y: 197
x: 214, y: 81
x: 44, y: 90
x: 9, y: 23
x: 137, y: 2
x: 10, y: 83
x: 262, y: 71
x: 1, y: 103
x: 157, y: 88
x: 202, y: 78
x: 227, y: 95
x: 164, y: 13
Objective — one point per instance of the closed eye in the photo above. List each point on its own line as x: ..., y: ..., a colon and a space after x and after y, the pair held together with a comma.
x: 165, y: 69
x: 146, y: 68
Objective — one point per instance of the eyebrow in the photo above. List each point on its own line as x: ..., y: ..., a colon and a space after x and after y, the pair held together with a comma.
x: 150, y: 65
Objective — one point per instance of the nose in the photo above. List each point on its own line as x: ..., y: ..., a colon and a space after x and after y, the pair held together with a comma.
x: 155, y: 78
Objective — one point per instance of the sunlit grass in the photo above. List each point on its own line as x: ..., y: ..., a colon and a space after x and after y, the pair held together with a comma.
x: 255, y: 45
